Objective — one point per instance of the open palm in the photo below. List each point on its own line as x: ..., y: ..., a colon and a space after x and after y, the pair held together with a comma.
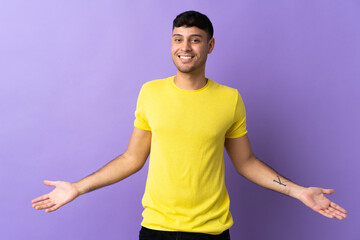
x: 314, y: 198
x: 63, y: 193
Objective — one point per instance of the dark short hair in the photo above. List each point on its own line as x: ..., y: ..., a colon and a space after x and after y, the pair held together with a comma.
x: 194, y: 19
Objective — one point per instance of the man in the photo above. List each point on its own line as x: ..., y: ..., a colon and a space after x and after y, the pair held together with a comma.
x: 185, y: 121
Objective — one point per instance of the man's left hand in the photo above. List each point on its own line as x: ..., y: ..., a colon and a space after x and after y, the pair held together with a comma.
x: 314, y: 198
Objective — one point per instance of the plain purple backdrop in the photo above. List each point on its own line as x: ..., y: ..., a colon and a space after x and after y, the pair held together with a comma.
x: 70, y: 74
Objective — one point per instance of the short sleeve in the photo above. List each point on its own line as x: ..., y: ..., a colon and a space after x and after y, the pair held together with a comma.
x: 141, y: 120
x: 238, y: 128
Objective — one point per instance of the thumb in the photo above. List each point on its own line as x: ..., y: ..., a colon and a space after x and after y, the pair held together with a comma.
x: 328, y: 191
x: 50, y: 183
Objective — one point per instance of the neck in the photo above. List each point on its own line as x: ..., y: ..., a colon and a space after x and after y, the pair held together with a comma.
x: 190, y: 81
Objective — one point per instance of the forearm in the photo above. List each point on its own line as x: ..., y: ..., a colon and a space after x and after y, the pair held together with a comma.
x: 115, y: 171
x: 258, y: 172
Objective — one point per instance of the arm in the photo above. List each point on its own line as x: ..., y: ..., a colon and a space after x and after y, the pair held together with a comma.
x: 246, y: 164
x: 116, y: 170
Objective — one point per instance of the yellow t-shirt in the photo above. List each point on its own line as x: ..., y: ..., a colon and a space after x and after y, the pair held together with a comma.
x: 185, y: 188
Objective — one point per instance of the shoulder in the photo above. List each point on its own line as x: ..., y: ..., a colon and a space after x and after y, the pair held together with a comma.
x: 225, y: 90
x: 154, y: 85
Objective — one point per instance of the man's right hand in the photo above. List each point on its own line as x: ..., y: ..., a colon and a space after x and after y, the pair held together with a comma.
x: 116, y: 170
x: 63, y: 193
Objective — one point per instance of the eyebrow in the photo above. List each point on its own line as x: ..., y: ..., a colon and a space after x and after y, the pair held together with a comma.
x: 192, y: 35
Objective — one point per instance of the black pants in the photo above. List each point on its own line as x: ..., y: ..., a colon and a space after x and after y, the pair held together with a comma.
x: 149, y: 234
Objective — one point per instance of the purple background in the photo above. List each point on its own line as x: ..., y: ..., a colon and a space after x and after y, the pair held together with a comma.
x: 70, y: 74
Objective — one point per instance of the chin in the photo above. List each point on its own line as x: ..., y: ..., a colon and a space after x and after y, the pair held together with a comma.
x: 185, y: 69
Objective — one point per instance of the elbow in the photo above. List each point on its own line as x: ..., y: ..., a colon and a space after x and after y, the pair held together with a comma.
x: 139, y: 166
x: 135, y: 163
x: 243, y: 166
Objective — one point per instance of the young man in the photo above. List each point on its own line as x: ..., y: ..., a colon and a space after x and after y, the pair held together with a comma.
x: 185, y: 121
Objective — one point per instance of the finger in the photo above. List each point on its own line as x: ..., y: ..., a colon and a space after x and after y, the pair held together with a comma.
x: 42, y: 198
x: 334, y: 205
x: 41, y: 203
x: 44, y: 205
x: 328, y: 191
x: 334, y: 215
x: 50, y: 183
x: 324, y: 213
x: 337, y: 212
x: 338, y: 215
x: 52, y: 209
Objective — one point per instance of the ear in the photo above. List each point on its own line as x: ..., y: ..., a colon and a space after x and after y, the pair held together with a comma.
x: 211, y: 45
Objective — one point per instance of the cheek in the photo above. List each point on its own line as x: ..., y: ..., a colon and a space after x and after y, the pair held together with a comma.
x: 173, y: 50
x: 174, y: 47
x: 203, y: 51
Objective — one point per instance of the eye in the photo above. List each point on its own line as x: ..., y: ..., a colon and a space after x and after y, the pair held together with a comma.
x: 196, y: 40
x: 177, y: 40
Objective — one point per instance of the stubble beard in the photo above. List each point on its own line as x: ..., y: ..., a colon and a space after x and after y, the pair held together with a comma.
x: 185, y: 69
x: 188, y: 69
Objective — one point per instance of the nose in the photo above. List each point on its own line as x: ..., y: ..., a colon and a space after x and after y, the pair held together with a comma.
x: 186, y: 46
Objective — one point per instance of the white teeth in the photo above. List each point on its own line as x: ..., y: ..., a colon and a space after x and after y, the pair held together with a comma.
x: 183, y: 57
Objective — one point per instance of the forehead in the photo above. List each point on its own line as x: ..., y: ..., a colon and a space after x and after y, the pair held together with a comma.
x: 188, y: 31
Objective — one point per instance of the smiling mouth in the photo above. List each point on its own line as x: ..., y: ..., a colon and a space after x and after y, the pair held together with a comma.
x: 186, y: 57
